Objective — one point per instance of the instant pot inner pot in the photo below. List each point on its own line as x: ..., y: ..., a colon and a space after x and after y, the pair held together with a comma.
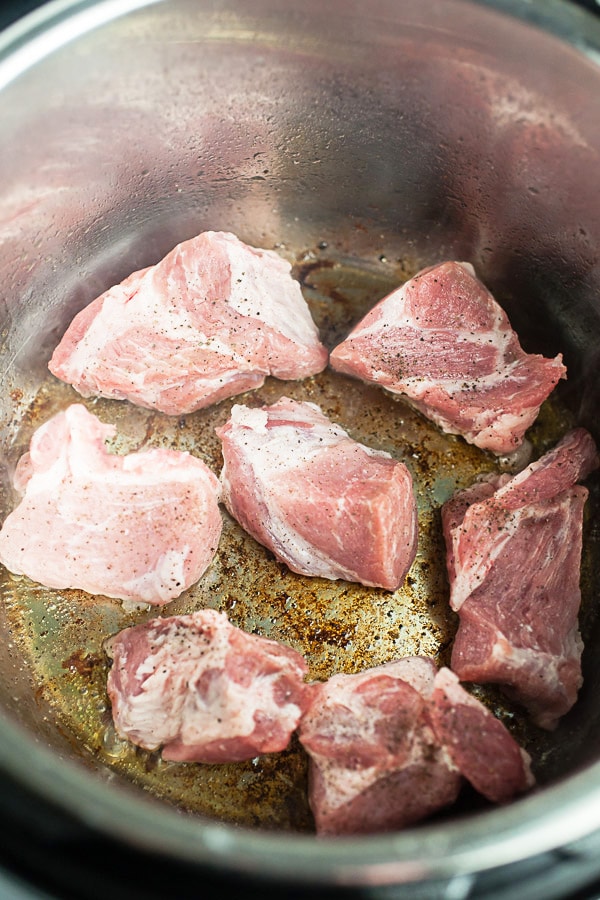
x: 362, y: 145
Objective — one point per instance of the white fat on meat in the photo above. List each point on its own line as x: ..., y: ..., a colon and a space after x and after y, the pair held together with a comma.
x: 390, y: 746
x: 324, y: 504
x: 444, y: 344
x: 203, y: 690
x: 210, y: 320
x: 140, y: 528
x: 514, y: 561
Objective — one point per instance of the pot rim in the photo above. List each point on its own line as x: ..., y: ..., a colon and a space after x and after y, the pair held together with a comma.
x: 538, y: 823
x: 531, y: 826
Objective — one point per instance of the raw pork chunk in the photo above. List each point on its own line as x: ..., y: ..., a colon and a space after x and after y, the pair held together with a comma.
x: 443, y: 342
x: 210, y: 320
x: 323, y: 503
x: 204, y: 690
x: 390, y: 745
x: 514, y: 554
x: 477, y: 742
x: 140, y: 528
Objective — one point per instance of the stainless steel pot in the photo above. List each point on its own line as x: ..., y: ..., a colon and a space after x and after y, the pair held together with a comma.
x: 362, y: 141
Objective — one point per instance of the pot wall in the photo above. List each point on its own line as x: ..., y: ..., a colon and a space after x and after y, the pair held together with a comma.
x: 401, y: 135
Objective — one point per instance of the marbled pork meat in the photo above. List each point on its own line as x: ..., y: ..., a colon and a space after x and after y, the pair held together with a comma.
x: 209, y: 321
x: 324, y: 504
x: 140, y: 528
x: 513, y: 558
x: 204, y: 690
x: 390, y: 746
x: 443, y: 342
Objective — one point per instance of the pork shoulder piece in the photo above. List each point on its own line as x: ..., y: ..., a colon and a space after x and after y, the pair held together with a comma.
x: 513, y: 558
x: 140, y: 528
x: 204, y: 690
x: 443, y: 342
x: 209, y: 321
x: 324, y: 504
x: 375, y: 763
x: 390, y: 746
x: 480, y: 747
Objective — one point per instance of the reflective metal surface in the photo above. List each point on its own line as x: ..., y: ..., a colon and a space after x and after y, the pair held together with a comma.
x: 362, y: 144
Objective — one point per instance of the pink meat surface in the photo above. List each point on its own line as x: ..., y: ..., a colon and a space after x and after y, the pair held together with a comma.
x: 209, y: 321
x: 390, y: 746
x: 443, y: 342
x: 204, y: 690
x: 140, y: 528
x: 324, y: 504
x: 375, y: 764
x: 514, y: 555
x: 479, y: 745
